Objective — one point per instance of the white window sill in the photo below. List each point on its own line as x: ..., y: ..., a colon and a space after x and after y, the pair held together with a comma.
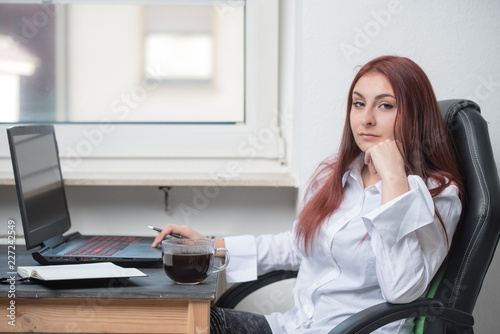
x: 171, y: 179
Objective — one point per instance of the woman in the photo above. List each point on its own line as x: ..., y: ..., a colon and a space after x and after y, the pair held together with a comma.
x: 378, y: 217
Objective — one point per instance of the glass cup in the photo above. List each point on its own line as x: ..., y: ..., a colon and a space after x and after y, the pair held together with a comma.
x: 190, y: 261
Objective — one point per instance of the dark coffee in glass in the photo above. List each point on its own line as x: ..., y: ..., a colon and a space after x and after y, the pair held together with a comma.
x: 190, y: 261
x: 187, y: 268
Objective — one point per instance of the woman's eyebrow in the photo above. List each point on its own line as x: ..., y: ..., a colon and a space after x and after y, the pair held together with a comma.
x: 378, y: 97
x: 381, y: 96
x: 358, y: 94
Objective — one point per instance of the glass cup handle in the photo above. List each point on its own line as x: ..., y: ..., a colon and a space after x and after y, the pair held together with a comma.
x: 216, y: 269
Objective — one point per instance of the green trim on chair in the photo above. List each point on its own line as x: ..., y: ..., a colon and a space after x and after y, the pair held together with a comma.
x: 420, y: 321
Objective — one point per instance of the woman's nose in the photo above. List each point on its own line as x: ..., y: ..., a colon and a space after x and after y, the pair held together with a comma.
x: 368, y: 117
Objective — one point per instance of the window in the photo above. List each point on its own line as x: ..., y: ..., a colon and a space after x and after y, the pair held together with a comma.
x: 201, y: 93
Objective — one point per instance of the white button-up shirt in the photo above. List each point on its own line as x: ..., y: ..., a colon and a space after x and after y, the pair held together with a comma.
x: 346, y: 273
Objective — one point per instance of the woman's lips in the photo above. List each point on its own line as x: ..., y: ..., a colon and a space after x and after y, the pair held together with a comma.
x: 368, y: 136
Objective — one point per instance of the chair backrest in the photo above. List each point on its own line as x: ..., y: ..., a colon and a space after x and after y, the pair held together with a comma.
x: 477, y: 236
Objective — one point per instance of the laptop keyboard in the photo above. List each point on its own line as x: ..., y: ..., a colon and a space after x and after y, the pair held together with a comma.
x: 102, y: 246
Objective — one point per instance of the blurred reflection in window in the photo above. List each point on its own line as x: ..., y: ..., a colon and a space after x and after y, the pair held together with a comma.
x: 123, y: 63
x: 27, y: 72
x: 180, y: 50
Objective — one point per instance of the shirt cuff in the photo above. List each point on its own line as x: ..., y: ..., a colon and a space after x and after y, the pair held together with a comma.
x: 402, y: 215
x: 242, y: 265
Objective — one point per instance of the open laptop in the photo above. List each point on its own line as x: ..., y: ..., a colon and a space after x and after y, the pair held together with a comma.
x: 44, y: 208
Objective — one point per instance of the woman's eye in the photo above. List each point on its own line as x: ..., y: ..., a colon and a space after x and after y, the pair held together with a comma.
x: 358, y: 104
x: 386, y: 106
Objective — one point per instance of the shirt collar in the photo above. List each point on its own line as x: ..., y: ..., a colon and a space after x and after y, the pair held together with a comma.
x: 354, y: 171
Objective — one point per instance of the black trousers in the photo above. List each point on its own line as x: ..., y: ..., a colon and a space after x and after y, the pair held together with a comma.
x: 228, y: 321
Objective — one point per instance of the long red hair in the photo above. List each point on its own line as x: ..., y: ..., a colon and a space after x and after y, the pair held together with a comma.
x: 419, y: 128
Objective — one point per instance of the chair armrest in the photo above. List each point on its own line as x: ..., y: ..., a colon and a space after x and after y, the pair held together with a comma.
x: 382, y: 314
x: 238, y: 292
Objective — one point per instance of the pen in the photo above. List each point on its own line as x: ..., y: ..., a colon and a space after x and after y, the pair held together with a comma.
x: 175, y: 235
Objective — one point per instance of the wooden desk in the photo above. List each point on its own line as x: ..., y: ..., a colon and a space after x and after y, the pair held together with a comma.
x: 152, y: 304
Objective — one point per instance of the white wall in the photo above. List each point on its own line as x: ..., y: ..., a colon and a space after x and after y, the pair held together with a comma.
x: 455, y: 42
x: 213, y: 211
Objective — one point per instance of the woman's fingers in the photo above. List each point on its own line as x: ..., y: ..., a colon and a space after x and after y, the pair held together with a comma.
x: 184, y: 231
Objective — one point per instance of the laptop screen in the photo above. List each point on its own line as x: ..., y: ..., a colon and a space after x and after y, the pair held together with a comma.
x: 39, y: 184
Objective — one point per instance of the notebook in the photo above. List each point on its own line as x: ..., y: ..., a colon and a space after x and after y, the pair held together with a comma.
x: 44, y: 209
x: 100, y: 270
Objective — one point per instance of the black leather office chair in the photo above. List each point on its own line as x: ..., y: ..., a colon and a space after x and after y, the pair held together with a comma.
x: 456, y: 288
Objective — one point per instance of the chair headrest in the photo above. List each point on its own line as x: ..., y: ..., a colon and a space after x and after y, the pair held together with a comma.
x: 450, y: 108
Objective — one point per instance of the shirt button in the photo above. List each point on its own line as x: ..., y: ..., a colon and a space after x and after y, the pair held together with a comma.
x: 318, y: 283
x: 346, y: 219
x: 297, y: 322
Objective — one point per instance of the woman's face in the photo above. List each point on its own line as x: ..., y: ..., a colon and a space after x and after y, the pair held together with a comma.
x: 373, y: 110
